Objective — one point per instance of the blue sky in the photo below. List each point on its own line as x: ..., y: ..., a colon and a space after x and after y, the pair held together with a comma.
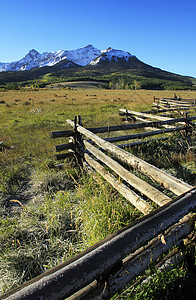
x: 161, y: 33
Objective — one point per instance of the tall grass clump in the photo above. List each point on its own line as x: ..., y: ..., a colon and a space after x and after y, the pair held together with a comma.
x: 101, y: 210
x: 175, y: 155
x: 39, y: 236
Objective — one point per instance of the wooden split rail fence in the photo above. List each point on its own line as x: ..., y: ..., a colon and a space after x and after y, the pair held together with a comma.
x: 175, y: 104
x: 107, y: 267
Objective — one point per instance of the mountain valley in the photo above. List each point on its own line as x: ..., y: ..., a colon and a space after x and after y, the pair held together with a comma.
x: 114, y: 68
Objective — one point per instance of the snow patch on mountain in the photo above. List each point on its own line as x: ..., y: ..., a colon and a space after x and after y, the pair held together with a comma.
x: 83, y: 56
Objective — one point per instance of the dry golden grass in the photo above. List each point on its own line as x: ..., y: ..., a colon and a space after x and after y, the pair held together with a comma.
x: 78, y: 101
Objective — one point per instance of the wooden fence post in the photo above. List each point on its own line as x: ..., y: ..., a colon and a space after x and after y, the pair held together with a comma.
x: 80, y: 145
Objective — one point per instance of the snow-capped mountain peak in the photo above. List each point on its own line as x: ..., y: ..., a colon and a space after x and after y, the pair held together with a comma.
x: 82, y: 56
x: 33, y: 53
x: 111, y: 55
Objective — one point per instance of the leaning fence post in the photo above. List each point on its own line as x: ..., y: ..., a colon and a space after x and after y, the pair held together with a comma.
x: 158, y: 106
x: 188, y: 128
x: 78, y: 141
x: 75, y: 134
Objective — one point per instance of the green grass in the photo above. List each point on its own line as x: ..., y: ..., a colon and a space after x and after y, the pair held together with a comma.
x: 176, y: 284
x: 49, y: 214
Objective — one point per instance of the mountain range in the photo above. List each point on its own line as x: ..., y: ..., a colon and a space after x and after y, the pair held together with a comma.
x: 81, y: 57
x: 109, y: 65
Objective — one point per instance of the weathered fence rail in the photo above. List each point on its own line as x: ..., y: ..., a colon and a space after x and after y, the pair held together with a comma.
x: 157, y: 117
x: 175, y: 185
x: 156, y: 124
x: 178, y: 99
x: 141, y: 185
x: 176, y: 102
x: 143, y: 135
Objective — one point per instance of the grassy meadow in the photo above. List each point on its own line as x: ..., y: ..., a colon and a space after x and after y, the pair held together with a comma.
x: 48, y: 214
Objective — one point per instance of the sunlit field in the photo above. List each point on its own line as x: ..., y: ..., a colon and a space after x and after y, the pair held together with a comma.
x: 49, y: 214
